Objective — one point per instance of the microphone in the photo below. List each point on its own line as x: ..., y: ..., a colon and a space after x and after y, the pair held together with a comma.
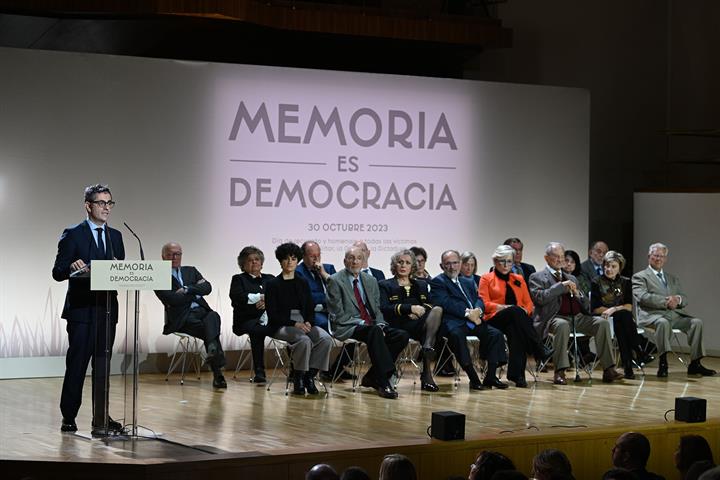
x: 80, y: 271
x: 142, y: 254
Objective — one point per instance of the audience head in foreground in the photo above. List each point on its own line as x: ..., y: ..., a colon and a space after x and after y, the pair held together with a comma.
x: 397, y: 467
x: 551, y: 464
x: 487, y: 463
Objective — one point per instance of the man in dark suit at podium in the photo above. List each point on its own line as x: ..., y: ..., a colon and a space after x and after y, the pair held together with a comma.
x: 186, y: 311
x: 86, y: 311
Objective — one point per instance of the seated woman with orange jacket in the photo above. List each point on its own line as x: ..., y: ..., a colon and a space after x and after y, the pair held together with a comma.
x: 508, y: 308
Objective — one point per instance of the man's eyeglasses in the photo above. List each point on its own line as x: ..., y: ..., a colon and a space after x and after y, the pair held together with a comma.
x: 103, y: 203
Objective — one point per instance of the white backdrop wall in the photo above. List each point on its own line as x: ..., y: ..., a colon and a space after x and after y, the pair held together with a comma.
x: 686, y: 223
x: 434, y: 162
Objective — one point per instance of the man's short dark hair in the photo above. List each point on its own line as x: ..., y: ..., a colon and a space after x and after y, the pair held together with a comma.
x: 512, y: 240
x: 286, y: 250
x: 419, y: 251
x: 637, y: 446
x: 354, y: 473
x: 92, y: 190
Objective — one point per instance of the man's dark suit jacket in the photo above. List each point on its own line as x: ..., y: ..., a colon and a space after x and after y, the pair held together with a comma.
x: 444, y: 293
x: 378, y: 274
x: 177, y: 305
x: 527, y: 271
x: 246, y: 315
x: 77, y: 242
x: 316, y: 286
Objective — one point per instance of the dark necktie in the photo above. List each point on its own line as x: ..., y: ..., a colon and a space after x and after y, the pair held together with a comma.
x: 100, y: 243
x: 361, y: 305
x: 558, y: 276
x: 598, y: 270
x: 662, y: 278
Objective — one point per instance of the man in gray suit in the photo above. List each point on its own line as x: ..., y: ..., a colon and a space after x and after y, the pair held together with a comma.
x: 661, y: 306
x: 592, y: 267
x: 354, y: 305
x: 558, y: 301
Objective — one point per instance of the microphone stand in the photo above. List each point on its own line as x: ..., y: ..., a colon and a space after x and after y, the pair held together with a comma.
x: 136, y: 343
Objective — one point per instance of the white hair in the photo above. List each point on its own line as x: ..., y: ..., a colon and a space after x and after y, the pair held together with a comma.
x: 503, y: 251
x: 658, y: 246
x: 552, y: 246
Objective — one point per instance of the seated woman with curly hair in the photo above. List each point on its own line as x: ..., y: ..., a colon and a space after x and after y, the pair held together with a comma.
x: 291, y: 318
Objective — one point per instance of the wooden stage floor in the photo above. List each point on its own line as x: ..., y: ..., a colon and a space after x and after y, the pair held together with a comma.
x: 247, y: 419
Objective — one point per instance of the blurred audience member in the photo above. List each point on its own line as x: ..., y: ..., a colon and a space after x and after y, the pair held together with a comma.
x: 487, y: 463
x: 397, y: 467
x: 355, y: 473
x: 321, y: 471
x: 692, y: 448
x: 468, y: 267
x: 551, y: 464
x: 520, y: 268
x: 631, y: 451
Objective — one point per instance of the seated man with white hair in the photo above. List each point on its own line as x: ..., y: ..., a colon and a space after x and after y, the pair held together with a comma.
x: 661, y: 306
x: 558, y: 303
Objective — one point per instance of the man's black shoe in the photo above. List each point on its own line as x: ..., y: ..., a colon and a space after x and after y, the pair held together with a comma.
x: 663, y: 370
x: 519, y: 382
x: 259, y: 377
x: 429, y: 386
x: 696, y: 368
x: 387, y: 392
x: 494, y: 382
x: 219, y: 381
x: 68, y: 425
x: 113, y: 427
x: 298, y: 384
x: 477, y: 386
x: 309, y: 381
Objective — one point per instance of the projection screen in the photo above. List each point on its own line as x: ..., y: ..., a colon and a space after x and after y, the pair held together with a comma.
x: 219, y: 156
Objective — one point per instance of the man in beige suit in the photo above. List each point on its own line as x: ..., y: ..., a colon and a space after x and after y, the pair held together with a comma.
x: 353, y: 300
x: 661, y: 306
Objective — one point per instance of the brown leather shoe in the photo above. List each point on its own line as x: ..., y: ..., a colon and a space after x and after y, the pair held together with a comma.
x: 559, y: 377
x: 610, y: 375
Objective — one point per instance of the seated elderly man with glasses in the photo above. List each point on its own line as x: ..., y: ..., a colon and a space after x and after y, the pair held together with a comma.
x: 661, y: 305
x: 558, y: 304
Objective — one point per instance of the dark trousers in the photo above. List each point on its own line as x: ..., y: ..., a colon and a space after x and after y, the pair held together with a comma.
x: 87, y: 341
x: 522, y: 338
x: 492, y: 344
x: 257, y: 334
x: 205, y: 325
x: 626, y: 335
x: 384, y: 346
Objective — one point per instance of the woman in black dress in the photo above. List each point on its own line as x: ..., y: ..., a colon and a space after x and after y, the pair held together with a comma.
x: 247, y: 294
